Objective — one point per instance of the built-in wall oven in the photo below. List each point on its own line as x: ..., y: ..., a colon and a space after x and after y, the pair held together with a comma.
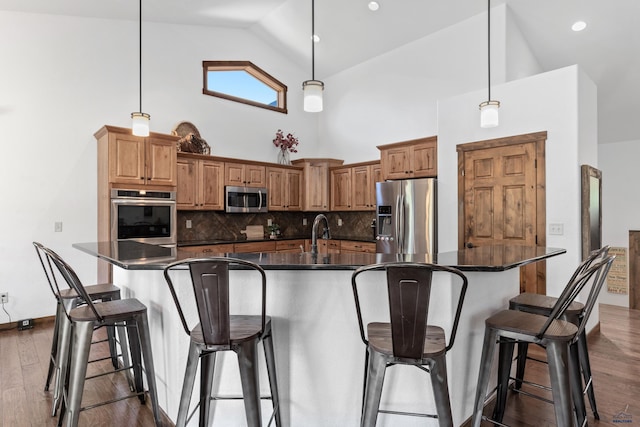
x: 144, y: 216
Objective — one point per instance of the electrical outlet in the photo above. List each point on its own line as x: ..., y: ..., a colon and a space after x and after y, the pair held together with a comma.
x: 304, y: 221
x: 339, y: 222
x: 4, y: 297
x: 189, y: 224
x: 269, y: 222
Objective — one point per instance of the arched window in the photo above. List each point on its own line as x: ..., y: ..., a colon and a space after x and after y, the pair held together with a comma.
x: 242, y: 81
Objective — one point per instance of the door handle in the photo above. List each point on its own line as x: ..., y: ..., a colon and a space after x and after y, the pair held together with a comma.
x: 469, y: 245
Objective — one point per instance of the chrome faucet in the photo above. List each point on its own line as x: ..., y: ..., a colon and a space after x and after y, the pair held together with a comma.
x: 314, y: 232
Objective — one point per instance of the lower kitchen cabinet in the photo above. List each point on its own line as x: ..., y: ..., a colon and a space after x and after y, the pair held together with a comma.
x: 205, y: 250
x: 348, y: 246
x: 290, y: 245
x: 262, y: 246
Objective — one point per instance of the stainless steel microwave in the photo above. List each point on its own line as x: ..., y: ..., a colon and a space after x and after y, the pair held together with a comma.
x: 245, y: 199
x: 144, y: 216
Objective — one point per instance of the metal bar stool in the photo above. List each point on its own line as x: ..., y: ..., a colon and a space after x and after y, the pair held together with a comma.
x: 69, y: 299
x: 78, y: 326
x: 558, y: 337
x: 575, y: 313
x: 408, y: 339
x: 219, y: 330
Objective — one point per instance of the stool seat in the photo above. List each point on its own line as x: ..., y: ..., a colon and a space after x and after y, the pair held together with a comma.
x: 530, y: 325
x: 241, y: 329
x: 541, y: 304
x: 96, y: 292
x: 381, y: 341
x: 114, y: 311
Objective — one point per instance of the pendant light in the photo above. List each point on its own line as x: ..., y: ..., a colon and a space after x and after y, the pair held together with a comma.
x: 489, y: 108
x: 140, y: 120
x: 312, y: 89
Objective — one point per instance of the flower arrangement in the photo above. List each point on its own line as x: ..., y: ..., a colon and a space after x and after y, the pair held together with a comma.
x: 285, y: 143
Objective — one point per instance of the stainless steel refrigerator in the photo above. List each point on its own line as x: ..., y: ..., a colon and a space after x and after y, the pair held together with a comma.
x: 406, y: 216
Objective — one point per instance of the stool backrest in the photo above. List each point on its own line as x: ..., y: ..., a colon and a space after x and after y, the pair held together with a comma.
x: 69, y: 276
x: 210, y: 281
x: 48, y: 271
x: 409, y: 288
x: 594, y: 275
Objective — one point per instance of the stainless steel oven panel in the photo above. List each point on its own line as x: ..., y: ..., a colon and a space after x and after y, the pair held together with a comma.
x: 171, y: 239
x: 245, y: 199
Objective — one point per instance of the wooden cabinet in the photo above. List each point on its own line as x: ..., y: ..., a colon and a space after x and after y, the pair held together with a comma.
x: 262, y: 246
x: 316, y: 186
x: 353, y: 187
x: 351, y: 246
x: 245, y: 175
x: 134, y: 160
x: 341, y: 189
x: 284, y: 186
x: 363, y: 190
x: 410, y: 159
x: 200, y: 183
x: 289, y: 245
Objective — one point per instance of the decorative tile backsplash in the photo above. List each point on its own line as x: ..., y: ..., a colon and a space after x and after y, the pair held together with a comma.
x: 210, y: 225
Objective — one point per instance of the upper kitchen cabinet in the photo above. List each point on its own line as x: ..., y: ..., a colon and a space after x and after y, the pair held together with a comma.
x: 341, y: 189
x: 363, y: 185
x: 245, y: 175
x: 416, y: 158
x: 200, y: 183
x: 316, y: 183
x: 284, y: 185
x: 134, y: 160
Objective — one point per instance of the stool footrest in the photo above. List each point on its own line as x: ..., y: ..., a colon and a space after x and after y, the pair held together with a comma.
x: 409, y: 414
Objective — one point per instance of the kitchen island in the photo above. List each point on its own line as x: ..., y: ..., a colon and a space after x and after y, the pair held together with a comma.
x: 319, y: 354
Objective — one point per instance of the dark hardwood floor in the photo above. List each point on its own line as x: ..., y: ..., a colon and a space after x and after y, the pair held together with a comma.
x: 24, y: 358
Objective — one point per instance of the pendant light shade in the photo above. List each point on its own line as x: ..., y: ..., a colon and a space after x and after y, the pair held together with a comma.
x: 489, y: 109
x: 140, y: 120
x: 312, y: 89
x: 140, y: 124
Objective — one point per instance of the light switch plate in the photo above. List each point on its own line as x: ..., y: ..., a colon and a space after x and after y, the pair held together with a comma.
x: 556, y: 229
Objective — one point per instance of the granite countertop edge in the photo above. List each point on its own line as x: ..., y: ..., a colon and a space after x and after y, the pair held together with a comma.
x: 187, y: 243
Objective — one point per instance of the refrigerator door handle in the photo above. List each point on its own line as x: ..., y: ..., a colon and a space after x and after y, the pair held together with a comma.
x: 401, y: 224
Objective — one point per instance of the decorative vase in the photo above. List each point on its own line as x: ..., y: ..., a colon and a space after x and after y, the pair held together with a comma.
x: 283, y: 157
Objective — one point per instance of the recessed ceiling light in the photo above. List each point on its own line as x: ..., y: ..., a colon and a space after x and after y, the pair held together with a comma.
x: 579, y: 26
x: 373, y: 5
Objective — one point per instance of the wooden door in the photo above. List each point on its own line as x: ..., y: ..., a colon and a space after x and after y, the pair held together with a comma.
x: 275, y: 186
x: 341, y: 189
x: 503, y: 198
x: 160, y: 162
x: 126, y: 159
x: 424, y: 160
x: 187, y: 188
x: 293, y: 189
x: 211, y: 185
x: 360, y: 188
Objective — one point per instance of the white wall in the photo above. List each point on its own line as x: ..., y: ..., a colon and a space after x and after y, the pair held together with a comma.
x: 620, y: 206
x: 62, y: 78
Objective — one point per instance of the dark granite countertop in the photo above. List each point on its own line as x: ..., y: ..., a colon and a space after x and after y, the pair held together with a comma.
x: 221, y: 242
x: 139, y: 256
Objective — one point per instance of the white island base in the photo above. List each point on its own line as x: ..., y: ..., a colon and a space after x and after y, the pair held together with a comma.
x: 319, y: 353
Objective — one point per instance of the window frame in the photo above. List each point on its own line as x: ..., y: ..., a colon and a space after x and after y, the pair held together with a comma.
x: 253, y: 70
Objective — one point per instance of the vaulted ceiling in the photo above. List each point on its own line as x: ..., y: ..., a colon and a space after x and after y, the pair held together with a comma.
x: 608, y: 50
